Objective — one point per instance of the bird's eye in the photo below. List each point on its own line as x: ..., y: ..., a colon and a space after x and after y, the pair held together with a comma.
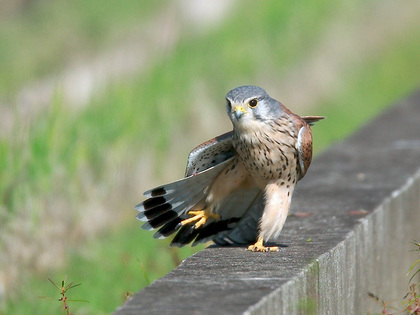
x: 253, y: 103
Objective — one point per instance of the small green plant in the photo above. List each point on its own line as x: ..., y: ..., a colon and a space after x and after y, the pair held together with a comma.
x: 385, y: 304
x: 146, y: 277
x: 411, y: 300
x: 417, y: 262
x: 63, y: 290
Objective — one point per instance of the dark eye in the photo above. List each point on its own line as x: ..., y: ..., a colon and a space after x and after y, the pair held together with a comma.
x: 252, y: 103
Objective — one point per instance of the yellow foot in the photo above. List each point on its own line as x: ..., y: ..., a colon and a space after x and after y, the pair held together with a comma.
x: 259, y: 247
x: 201, y: 216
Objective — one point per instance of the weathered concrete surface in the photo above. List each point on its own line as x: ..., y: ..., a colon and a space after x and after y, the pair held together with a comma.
x: 364, y: 196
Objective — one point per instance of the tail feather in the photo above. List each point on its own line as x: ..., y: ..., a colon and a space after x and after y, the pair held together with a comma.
x: 199, y: 180
x: 167, y: 204
x: 153, y: 213
x: 178, y: 206
x: 311, y: 120
x: 153, y: 207
x: 186, y: 235
x: 160, y: 220
x: 245, y: 231
x: 162, y: 214
x: 208, y: 232
x: 168, y: 229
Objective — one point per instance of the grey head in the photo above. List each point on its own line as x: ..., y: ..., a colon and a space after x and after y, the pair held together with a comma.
x: 251, y: 103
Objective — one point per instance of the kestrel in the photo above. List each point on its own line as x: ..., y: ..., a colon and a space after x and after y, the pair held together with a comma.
x: 238, y: 186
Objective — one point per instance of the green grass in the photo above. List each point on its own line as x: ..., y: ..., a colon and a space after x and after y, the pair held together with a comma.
x: 65, y: 153
x: 43, y: 38
x: 375, y: 84
x: 120, y: 262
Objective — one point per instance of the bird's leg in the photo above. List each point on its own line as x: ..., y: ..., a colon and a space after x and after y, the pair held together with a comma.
x: 201, y: 216
x: 259, y: 246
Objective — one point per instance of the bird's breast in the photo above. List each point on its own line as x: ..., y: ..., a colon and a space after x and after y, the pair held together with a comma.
x: 268, y: 152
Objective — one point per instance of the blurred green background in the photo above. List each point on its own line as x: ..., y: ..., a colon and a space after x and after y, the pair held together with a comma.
x: 101, y: 100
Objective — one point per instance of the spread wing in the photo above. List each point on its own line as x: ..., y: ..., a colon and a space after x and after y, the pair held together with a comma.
x: 167, y: 205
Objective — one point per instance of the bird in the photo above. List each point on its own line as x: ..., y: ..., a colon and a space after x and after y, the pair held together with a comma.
x: 238, y: 186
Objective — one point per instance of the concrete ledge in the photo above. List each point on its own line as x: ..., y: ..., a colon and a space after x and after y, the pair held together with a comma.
x: 364, y: 197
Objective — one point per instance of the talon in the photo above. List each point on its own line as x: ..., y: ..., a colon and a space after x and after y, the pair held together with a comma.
x: 259, y: 247
x: 201, y: 216
x: 256, y: 248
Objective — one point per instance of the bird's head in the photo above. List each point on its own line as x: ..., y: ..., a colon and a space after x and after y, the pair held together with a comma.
x: 249, y: 104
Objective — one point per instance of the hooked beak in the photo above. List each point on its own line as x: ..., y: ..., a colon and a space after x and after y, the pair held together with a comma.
x: 239, y: 111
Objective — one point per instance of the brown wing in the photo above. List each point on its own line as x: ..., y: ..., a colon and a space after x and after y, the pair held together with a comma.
x: 167, y: 205
x: 304, y: 141
x: 304, y: 148
x: 210, y: 153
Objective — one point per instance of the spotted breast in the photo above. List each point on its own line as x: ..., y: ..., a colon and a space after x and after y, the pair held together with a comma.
x: 269, y: 153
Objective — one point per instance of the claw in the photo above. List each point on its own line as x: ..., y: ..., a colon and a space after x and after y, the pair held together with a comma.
x: 201, y: 216
x: 259, y: 247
